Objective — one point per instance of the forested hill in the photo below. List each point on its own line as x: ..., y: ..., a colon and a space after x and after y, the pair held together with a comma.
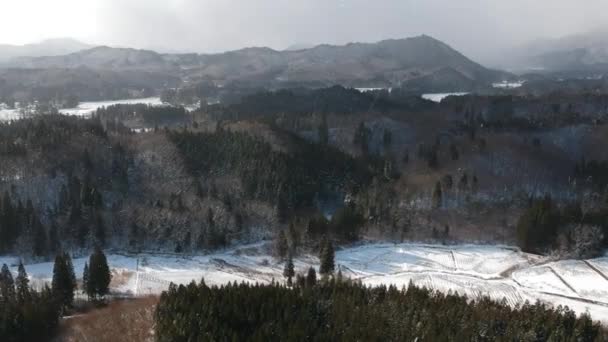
x: 421, y: 61
x: 351, y: 165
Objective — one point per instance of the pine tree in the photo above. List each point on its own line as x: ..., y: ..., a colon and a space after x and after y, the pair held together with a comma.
x: 22, y: 283
x: 327, y: 258
x: 85, y: 281
x: 311, y: 277
x: 289, y: 270
x: 7, y: 284
x: 99, y: 274
x: 64, y: 280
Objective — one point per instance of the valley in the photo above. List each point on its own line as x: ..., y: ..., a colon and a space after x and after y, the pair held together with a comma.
x: 497, y: 272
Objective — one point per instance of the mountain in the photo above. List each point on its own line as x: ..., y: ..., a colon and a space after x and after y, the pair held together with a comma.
x: 101, y: 57
x: 50, y: 47
x: 585, y: 52
x: 383, y: 64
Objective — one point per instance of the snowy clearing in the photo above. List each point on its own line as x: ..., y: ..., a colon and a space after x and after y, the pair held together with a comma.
x: 438, y: 97
x: 495, y: 271
x: 84, y: 108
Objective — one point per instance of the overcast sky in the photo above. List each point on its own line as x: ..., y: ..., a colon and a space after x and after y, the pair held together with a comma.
x: 475, y: 27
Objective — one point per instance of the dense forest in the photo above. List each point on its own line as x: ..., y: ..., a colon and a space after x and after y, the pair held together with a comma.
x: 316, y: 162
x: 336, y: 310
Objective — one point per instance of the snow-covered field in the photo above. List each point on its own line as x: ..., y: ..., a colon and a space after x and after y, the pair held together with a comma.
x: 495, y: 271
x: 438, y: 97
x: 84, y: 108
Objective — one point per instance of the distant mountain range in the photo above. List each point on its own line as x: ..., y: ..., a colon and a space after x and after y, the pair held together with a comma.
x: 584, y: 53
x: 50, y: 47
x: 420, y: 62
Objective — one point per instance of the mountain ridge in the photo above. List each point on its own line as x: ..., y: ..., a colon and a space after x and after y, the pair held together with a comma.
x: 389, y: 62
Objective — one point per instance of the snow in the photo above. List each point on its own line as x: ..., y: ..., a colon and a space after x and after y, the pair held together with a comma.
x: 83, y: 109
x: 508, y: 85
x: 88, y: 108
x: 500, y: 272
x: 438, y: 97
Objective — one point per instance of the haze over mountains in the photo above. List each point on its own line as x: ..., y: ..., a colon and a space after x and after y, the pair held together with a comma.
x: 421, y: 62
x: 49, y: 47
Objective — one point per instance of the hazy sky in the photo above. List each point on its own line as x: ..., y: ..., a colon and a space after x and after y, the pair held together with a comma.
x: 475, y: 27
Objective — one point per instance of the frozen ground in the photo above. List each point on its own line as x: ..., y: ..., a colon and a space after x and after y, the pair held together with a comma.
x: 83, y: 109
x: 495, y: 271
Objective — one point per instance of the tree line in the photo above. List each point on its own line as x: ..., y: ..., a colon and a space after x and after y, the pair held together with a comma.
x: 338, y: 310
x: 27, y: 314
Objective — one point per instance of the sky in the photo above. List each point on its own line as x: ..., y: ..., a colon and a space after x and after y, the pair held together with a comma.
x: 478, y: 28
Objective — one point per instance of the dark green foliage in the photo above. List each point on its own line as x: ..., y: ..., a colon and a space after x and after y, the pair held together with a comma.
x: 327, y: 258
x: 297, y: 102
x: 341, y: 311
x: 290, y: 180
x: 44, y: 133
x: 99, y: 276
x: 344, y: 225
x: 289, y: 270
x: 538, y: 226
x: 22, y: 285
x: 25, y: 315
x: 311, y: 277
x: 64, y: 281
x: 150, y: 115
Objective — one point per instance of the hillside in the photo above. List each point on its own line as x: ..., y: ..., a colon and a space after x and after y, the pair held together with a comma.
x: 383, y: 64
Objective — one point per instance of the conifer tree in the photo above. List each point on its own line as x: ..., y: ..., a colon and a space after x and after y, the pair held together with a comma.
x: 22, y: 284
x: 64, y: 280
x: 99, y: 274
x: 327, y: 258
x: 7, y: 284
x: 85, y: 280
x: 311, y: 277
x: 289, y: 271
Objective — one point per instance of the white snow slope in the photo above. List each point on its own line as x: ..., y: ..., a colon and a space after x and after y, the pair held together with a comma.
x: 495, y: 271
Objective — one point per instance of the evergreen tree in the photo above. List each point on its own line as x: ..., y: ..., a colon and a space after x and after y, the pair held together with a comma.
x: 99, y: 274
x: 22, y: 283
x: 64, y: 281
x: 85, y: 281
x: 327, y: 258
x: 289, y: 270
x: 311, y: 277
x: 7, y: 284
